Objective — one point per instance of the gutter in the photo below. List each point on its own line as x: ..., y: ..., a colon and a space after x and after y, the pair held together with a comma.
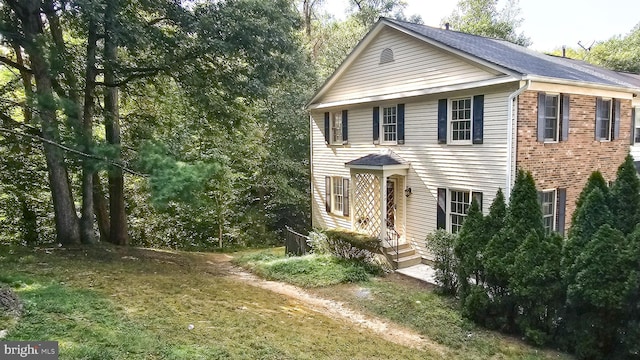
x: 510, y: 136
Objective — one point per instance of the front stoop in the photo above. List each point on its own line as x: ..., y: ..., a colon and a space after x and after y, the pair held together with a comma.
x: 405, y: 257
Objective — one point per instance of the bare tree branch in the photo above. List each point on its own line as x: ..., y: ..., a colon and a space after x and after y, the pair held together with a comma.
x: 5, y: 60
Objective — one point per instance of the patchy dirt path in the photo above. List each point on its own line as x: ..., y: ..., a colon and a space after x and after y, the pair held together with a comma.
x: 387, y: 330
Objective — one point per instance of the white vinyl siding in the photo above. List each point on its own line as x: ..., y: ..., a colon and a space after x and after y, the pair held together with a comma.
x: 416, y: 65
x: 481, y: 168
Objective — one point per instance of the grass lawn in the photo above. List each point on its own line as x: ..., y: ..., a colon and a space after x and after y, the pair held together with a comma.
x: 405, y: 301
x: 123, y: 303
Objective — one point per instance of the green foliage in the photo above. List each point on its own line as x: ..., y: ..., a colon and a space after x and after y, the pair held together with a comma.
x: 589, y: 217
x: 596, y: 180
x: 620, y: 53
x: 625, y: 197
x: 597, y: 296
x: 537, y: 285
x: 494, y: 222
x: 311, y: 270
x: 523, y: 217
x: 441, y: 244
x: 469, y: 247
x: 482, y: 17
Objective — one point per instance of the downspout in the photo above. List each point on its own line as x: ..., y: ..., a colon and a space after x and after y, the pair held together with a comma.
x: 510, y: 136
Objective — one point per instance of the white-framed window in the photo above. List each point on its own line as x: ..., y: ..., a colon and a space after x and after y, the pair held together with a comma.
x: 548, y: 206
x: 552, y: 118
x: 337, y: 195
x: 604, y: 117
x: 389, y: 124
x: 460, y: 120
x: 637, y: 125
x: 459, y: 201
x: 336, y: 128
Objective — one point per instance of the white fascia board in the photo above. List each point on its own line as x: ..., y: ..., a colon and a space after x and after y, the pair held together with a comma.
x: 413, y: 93
x: 544, y: 79
x: 379, y: 168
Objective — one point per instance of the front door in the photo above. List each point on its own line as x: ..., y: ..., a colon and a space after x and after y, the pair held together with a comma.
x: 391, y: 203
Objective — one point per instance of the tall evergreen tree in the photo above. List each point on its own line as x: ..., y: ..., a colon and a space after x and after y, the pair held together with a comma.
x: 523, y: 219
x: 625, y: 197
x: 469, y: 246
x: 537, y: 286
x: 598, y: 294
x: 596, y: 180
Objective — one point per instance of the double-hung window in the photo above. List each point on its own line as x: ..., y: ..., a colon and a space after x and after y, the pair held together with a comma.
x: 458, y: 209
x: 547, y: 200
x: 551, y: 118
x: 603, y: 117
x: 336, y: 128
x: 460, y: 120
x: 337, y: 195
x: 389, y: 124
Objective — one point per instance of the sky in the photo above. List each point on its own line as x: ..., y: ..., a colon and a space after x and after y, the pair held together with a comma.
x: 549, y: 23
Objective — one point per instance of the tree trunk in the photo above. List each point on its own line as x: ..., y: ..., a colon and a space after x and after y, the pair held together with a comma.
x: 87, y: 220
x: 118, y: 230
x: 67, y: 223
x: 100, y: 208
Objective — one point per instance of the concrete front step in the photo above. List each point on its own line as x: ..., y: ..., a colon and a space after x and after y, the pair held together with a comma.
x: 407, y: 261
x: 406, y: 256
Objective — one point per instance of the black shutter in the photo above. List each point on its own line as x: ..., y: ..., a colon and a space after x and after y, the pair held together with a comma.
x: 542, y: 97
x: 616, y: 119
x: 327, y: 198
x: 477, y: 196
x: 442, y: 209
x: 561, y: 210
x: 442, y: 121
x: 326, y: 128
x: 478, y: 119
x: 376, y: 125
x: 345, y: 127
x: 400, y: 123
x: 564, y: 117
x: 633, y: 126
x: 345, y: 197
x: 598, y: 118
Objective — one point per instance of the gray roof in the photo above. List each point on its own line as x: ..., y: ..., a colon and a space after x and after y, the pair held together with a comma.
x: 386, y: 159
x: 519, y: 59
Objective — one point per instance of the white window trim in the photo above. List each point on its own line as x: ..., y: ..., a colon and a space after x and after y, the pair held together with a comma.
x: 332, y: 118
x: 335, y: 211
x: 554, y: 206
x: 636, y: 126
x: 381, y: 121
x: 449, y: 198
x: 608, y: 138
x: 557, y: 139
x: 450, y: 120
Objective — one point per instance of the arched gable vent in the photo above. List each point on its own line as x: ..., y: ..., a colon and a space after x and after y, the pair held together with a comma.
x: 386, y: 56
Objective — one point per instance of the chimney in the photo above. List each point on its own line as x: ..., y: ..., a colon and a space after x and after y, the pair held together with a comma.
x: 446, y: 26
x: 564, y: 51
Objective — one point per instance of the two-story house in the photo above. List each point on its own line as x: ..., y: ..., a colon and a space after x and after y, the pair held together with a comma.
x: 417, y: 121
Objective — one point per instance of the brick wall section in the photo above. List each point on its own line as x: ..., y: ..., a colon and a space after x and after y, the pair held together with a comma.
x: 568, y: 164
